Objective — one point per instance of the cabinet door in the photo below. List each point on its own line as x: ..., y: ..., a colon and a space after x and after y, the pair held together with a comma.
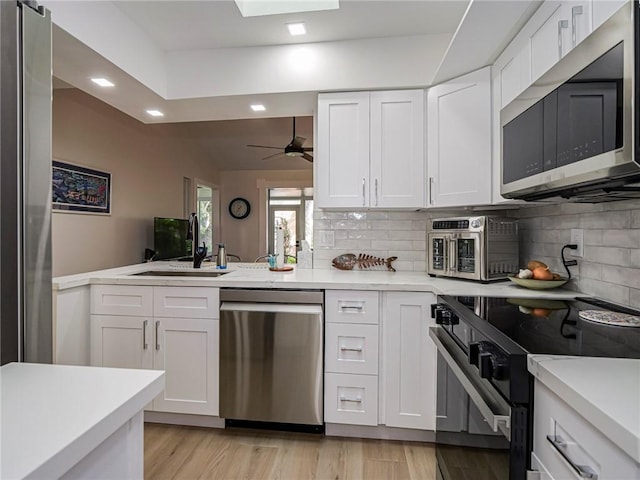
x: 549, y: 42
x: 459, y: 141
x: 409, y: 361
x: 603, y: 9
x: 342, y: 150
x: 397, y: 149
x: 567, y: 24
x: 121, y: 342
x: 514, y: 76
x: 187, y: 350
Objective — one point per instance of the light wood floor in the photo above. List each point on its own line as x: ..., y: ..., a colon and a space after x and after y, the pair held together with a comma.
x: 189, y: 452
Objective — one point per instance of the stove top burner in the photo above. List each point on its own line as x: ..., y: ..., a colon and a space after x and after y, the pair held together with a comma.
x: 554, y: 327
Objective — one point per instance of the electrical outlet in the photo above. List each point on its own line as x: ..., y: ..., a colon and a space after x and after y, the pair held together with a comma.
x: 327, y: 239
x: 577, y: 238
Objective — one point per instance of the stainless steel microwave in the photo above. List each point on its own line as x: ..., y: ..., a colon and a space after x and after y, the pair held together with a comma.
x: 573, y: 134
x: 483, y: 248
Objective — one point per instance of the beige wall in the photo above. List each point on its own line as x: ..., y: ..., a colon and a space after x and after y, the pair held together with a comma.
x: 247, y: 237
x: 147, y: 164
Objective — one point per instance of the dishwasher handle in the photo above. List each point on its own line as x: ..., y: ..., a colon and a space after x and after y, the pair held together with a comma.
x: 300, y: 309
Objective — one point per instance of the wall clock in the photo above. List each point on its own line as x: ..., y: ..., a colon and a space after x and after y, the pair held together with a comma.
x: 239, y: 208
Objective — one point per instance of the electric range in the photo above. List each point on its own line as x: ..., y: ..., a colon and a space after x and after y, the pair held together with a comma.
x: 485, y: 393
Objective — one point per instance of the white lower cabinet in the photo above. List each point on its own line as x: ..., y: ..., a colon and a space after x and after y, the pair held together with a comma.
x: 351, y: 357
x: 351, y: 399
x: 185, y: 348
x: 565, y: 443
x: 121, y: 341
x: 408, y: 360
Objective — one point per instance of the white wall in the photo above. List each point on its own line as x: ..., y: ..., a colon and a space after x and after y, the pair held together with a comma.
x: 147, y: 163
x: 610, y: 268
x: 247, y: 237
x: 397, y: 62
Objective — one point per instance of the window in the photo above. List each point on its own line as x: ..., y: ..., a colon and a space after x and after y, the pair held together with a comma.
x: 205, y: 215
x: 292, y: 210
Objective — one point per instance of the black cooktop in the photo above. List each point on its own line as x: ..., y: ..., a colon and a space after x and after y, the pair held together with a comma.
x: 544, y: 326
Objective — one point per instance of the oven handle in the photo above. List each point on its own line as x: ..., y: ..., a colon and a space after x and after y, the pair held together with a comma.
x: 497, y: 421
x: 453, y: 255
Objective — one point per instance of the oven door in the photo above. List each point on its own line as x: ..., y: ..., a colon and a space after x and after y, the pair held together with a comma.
x: 438, y: 248
x: 465, y: 256
x: 473, y: 423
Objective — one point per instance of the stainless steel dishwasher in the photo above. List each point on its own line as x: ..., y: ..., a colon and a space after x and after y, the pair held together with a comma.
x: 271, y: 356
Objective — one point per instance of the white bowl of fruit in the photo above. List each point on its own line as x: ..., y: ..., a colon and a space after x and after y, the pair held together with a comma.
x: 538, y: 276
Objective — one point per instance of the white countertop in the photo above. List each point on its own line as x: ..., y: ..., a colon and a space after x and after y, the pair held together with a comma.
x: 257, y: 275
x: 52, y: 416
x: 605, y: 391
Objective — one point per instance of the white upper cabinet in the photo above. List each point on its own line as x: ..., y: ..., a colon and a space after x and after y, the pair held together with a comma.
x: 603, y: 9
x: 515, y: 75
x: 370, y: 150
x: 342, y: 152
x: 564, y: 25
x: 459, y: 141
x: 397, y: 149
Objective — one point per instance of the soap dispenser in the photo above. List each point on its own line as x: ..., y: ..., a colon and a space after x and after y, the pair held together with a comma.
x: 221, y: 258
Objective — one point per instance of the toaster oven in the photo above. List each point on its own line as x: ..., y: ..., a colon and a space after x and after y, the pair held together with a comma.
x: 482, y: 248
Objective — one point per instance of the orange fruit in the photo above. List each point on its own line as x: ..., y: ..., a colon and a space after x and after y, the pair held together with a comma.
x: 540, y: 312
x: 542, y: 273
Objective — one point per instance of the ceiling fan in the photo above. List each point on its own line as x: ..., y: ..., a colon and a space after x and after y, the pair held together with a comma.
x: 294, y: 149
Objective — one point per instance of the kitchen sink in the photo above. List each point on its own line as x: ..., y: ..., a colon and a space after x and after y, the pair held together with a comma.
x: 181, y: 273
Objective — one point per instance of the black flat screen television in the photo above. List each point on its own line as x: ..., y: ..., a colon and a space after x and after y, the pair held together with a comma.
x: 170, y: 238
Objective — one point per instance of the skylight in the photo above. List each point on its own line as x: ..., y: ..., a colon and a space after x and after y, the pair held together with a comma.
x: 256, y: 8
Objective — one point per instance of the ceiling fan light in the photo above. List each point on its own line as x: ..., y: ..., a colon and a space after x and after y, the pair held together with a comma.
x: 293, y: 154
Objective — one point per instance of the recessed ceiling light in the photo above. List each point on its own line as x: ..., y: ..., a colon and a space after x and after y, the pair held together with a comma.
x: 103, y: 82
x: 296, y: 28
x: 155, y: 113
x: 258, y: 108
x: 256, y: 8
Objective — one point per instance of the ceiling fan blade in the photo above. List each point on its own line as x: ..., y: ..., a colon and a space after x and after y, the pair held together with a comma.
x: 274, y: 155
x: 307, y: 149
x: 264, y: 146
x: 307, y: 157
x: 297, y: 142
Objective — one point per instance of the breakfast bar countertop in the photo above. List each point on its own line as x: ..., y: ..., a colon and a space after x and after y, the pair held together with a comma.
x: 53, y: 416
x: 257, y: 275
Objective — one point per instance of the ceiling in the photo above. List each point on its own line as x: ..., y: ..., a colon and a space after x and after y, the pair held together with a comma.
x: 187, y: 25
x: 181, y: 27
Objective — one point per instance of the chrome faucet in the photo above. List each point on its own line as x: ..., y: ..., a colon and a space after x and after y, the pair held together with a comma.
x: 192, y: 234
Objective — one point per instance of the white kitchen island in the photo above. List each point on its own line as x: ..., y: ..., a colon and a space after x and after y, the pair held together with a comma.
x: 60, y: 421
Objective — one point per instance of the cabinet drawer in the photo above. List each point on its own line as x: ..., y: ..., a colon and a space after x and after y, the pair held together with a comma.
x: 351, y: 306
x: 351, y: 348
x: 130, y: 300
x: 351, y: 399
x: 186, y: 302
x: 577, y: 441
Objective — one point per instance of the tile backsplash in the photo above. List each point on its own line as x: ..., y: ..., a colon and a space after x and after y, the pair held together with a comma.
x: 610, y: 268
x: 379, y: 233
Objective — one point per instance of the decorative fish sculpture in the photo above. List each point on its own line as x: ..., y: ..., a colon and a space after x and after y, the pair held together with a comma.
x: 347, y: 261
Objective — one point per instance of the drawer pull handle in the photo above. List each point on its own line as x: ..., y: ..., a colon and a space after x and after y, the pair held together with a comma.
x: 584, y: 471
x: 358, y: 308
x: 350, y: 349
x: 357, y: 399
x: 145, y: 345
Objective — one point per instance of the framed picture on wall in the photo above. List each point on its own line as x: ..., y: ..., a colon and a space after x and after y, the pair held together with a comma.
x: 80, y: 189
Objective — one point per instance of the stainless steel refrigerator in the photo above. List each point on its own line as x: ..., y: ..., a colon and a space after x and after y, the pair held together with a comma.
x: 25, y: 183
